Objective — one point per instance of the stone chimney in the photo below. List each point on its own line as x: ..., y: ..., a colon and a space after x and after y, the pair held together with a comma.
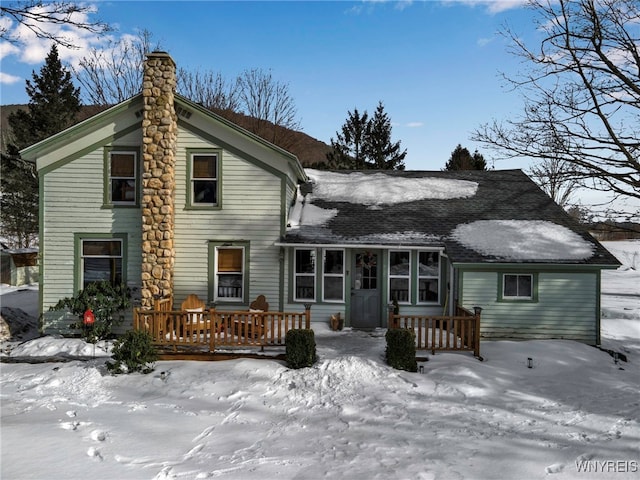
x: 159, y: 140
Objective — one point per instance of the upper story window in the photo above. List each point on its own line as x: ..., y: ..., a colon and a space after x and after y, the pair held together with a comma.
x: 204, y: 179
x: 101, y: 260
x: 123, y: 181
x: 517, y: 286
x: 333, y: 276
x: 428, y: 277
x: 399, y: 275
x: 304, y: 267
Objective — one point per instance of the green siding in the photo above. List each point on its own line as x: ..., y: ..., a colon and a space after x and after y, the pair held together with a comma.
x: 72, y: 204
x: 251, y: 199
x: 567, y: 306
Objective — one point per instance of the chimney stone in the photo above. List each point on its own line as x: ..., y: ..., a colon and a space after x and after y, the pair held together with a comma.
x: 159, y: 143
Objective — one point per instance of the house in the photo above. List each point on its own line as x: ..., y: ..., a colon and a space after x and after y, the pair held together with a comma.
x: 173, y: 200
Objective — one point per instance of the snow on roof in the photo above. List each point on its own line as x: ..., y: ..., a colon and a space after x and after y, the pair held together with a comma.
x: 379, y: 188
x: 523, y: 240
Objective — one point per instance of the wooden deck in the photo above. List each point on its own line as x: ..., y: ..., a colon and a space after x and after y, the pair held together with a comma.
x: 211, y: 329
x: 460, y: 332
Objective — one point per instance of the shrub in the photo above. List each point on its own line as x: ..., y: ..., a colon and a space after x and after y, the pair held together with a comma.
x: 133, y: 352
x: 401, y: 349
x: 300, y: 348
x: 105, y: 300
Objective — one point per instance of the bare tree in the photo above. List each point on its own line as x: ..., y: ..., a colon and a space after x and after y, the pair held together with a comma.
x: 269, y: 105
x: 38, y: 16
x: 209, y: 89
x: 582, y: 92
x: 112, y: 74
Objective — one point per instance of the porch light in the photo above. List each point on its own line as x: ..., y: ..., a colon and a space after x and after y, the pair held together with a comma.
x: 477, y: 310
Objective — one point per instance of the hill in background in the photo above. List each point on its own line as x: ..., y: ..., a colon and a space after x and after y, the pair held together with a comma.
x: 309, y: 150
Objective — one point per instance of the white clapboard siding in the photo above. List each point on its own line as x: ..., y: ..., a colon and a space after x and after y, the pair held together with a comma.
x: 566, y: 307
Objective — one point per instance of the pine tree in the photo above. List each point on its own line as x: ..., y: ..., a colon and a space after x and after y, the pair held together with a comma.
x: 365, y: 143
x: 19, y: 201
x: 461, y: 159
x: 349, y: 147
x: 53, y: 105
x: 380, y: 152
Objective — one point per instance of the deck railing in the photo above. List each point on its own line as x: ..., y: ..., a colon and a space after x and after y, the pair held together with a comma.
x: 459, y: 332
x: 213, y: 329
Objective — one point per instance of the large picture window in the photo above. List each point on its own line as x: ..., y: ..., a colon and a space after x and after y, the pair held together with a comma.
x: 517, y: 286
x: 204, y: 179
x: 333, y: 276
x: 399, y: 276
x: 123, y: 174
x: 304, y: 274
x: 428, y: 277
x: 101, y: 260
x: 229, y: 274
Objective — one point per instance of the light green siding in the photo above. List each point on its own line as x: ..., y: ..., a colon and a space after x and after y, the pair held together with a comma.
x: 251, y: 199
x: 566, y: 307
x: 72, y: 204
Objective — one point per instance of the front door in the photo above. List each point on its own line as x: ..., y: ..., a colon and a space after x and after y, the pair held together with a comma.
x: 365, y: 290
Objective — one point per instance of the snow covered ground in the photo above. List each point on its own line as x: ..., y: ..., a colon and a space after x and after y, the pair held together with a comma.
x: 574, y: 415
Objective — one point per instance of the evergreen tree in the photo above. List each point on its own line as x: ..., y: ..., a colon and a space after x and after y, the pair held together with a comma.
x: 19, y: 201
x: 348, y: 149
x: 53, y: 105
x: 380, y: 152
x: 365, y: 143
x: 461, y: 159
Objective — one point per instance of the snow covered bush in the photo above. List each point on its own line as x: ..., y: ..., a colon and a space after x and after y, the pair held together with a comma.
x: 300, y: 348
x: 401, y: 349
x: 133, y: 352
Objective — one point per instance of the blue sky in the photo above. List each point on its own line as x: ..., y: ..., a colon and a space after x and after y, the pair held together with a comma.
x: 434, y: 64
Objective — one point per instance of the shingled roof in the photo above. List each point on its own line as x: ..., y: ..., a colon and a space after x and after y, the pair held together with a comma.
x: 420, y: 208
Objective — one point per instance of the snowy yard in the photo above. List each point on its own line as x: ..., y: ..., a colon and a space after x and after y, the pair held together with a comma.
x: 574, y: 415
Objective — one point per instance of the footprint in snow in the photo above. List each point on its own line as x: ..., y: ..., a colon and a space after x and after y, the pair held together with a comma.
x: 94, y: 452
x: 555, y: 468
x: 98, y: 435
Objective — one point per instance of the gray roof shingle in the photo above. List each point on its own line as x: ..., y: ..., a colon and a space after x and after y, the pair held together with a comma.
x: 501, y: 195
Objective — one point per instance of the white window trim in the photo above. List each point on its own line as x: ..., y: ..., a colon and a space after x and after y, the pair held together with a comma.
x: 390, y: 276
x: 296, y: 275
x: 333, y: 275
x: 217, y: 273
x: 134, y: 178
x: 517, y: 296
x: 420, y: 277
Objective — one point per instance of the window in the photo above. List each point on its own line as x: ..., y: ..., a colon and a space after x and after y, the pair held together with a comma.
x: 333, y: 276
x: 399, y: 276
x: 304, y: 274
x: 229, y: 273
x: 123, y: 177
x: 428, y: 277
x: 101, y: 260
x: 204, y: 179
x: 517, y: 286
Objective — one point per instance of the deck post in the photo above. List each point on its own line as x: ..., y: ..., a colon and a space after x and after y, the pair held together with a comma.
x: 307, y: 315
x: 392, y: 321
x: 476, y: 331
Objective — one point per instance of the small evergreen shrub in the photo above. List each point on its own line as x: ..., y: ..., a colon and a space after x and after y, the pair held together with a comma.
x: 300, y: 348
x: 133, y: 352
x: 104, y: 300
x: 401, y: 349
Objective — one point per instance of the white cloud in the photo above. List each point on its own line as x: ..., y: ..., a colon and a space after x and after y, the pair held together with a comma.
x: 415, y: 124
x: 7, y: 79
x: 7, y: 49
x: 492, y: 6
x: 484, y: 41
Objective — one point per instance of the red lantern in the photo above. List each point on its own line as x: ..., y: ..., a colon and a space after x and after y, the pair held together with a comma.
x: 88, y: 318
